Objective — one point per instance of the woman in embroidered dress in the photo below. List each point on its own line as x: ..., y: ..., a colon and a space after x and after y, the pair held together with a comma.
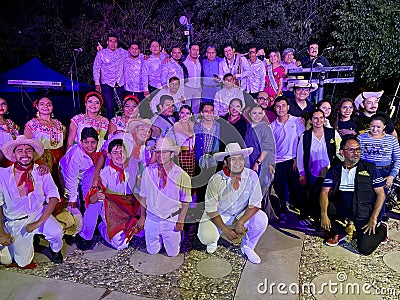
x: 91, y: 118
x: 130, y: 112
x: 183, y: 134
x: 275, y: 75
x: 8, y: 131
x: 50, y: 131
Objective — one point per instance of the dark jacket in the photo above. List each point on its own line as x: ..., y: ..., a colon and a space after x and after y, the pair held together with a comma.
x: 364, y: 197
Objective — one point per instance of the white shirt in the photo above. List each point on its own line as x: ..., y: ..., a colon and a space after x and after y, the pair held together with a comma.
x: 171, y: 69
x: 232, y: 67
x: 347, y: 179
x: 222, y: 197
x: 133, y: 69
x: 223, y: 97
x: 108, y: 67
x: 256, y: 81
x: 164, y: 202
x: 155, y: 101
x: 151, y: 74
x: 77, y: 169
x: 14, y: 206
x: 194, y: 72
x: 287, y: 137
x: 110, y: 180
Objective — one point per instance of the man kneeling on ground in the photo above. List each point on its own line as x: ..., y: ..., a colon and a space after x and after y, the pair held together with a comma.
x: 353, y: 190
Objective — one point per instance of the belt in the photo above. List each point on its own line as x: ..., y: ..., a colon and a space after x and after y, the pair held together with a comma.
x: 187, y: 148
x: 19, y: 219
x: 174, y: 214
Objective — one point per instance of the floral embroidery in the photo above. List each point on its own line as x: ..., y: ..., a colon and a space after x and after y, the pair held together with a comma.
x: 55, y: 133
x: 11, y: 128
x: 98, y: 123
x: 119, y: 122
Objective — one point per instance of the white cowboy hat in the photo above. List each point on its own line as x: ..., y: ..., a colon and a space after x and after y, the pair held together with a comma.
x: 8, y: 148
x: 155, y: 131
x: 365, y: 95
x: 232, y: 149
x: 166, y: 143
x: 300, y: 83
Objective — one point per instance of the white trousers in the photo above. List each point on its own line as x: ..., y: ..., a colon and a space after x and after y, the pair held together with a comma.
x: 159, y: 231
x: 208, y: 233
x: 22, y: 248
x: 90, y: 217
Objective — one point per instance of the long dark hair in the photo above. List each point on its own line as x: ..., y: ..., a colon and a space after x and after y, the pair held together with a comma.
x: 336, y: 112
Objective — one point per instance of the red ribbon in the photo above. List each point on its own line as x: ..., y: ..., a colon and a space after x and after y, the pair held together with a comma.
x: 26, y: 177
x: 121, y: 173
x: 235, y: 178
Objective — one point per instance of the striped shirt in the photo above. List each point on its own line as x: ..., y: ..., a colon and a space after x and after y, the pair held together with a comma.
x: 383, y: 152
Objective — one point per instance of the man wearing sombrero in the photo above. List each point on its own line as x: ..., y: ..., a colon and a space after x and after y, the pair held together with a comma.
x: 368, y: 104
x: 233, y: 202
x: 23, y: 194
x: 300, y: 106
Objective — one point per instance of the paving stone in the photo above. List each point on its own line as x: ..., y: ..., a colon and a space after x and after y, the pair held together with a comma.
x: 214, y: 267
x: 345, y: 253
x: 340, y: 286
x: 100, y: 252
x: 394, y: 235
x: 392, y: 260
x: 156, y: 264
x: 17, y: 286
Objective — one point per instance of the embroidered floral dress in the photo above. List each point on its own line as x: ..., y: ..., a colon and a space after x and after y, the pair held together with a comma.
x: 99, y: 123
x: 119, y: 123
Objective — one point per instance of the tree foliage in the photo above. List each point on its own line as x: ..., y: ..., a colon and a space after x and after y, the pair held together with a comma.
x: 367, y: 33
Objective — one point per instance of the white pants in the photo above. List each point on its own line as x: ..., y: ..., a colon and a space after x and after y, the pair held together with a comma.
x: 208, y: 233
x: 118, y: 241
x: 22, y: 248
x: 90, y: 217
x: 159, y: 231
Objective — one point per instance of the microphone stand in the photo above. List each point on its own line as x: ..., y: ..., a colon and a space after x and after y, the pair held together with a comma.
x: 72, y: 79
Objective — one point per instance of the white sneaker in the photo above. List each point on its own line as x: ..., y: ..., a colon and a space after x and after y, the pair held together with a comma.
x: 211, y: 248
x: 5, y: 256
x: 252, y: 256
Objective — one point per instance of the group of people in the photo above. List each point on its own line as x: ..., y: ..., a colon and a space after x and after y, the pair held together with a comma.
x: 223, y: 131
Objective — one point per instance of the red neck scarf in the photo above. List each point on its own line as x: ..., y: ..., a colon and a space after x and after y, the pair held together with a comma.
x: 26, y: 177
x: 235, y: 178
x: 136, y: 148
x: 162, y: 174
x: 121, y: 173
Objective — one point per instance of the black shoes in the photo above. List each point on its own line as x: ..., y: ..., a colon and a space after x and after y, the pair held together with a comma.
x: 56, y: 257
x: 83, y: 244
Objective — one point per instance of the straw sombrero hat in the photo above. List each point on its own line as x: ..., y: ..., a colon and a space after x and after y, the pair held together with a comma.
x: 8, y: 148
x: 232, y: 149
x: 165, y: 143
x: 155, y: 131
x: 302, y: 84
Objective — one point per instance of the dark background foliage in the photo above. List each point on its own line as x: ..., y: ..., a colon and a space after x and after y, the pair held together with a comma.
x: 365, y: 33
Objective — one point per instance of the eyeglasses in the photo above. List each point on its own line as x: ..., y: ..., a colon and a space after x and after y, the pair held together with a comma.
x: 161, y: 151
x: 352, y: 150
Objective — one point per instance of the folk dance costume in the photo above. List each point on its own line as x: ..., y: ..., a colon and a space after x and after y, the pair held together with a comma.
x: 8, y: 132
x: 119, y: 209
x: 164, y: 194
x: 77, y: 168
x: 52, y: 139
x: 99, y: 123
x: 23, y: 194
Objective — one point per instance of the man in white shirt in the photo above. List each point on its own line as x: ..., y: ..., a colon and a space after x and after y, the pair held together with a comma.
x: 233, y: 202
x: 165, y: 195
x: 27, y: 200
x: 133, y: 68
x: 256, y: 81
x: 226, y: 94
x: 108, y: 73
x: 174, y: 67
x: 287, y: 131
x: 174, y: 90
x: 235, y: 64
x: 193, y: 85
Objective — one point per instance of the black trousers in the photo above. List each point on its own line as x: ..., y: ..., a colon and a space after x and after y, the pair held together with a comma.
x: 366, y: 243
x: 288, y: 179
x: 109, y: 98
